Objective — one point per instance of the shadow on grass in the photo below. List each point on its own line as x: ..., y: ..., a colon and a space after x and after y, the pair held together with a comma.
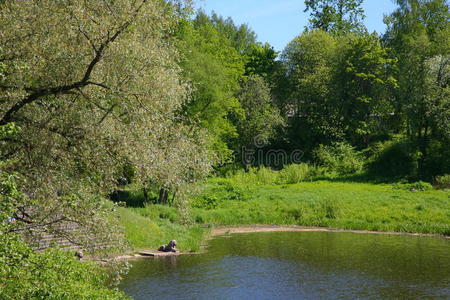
x: 362, y: 178
x: 134, y: 197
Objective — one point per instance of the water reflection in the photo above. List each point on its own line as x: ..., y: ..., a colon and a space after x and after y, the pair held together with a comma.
x: 300, y: 265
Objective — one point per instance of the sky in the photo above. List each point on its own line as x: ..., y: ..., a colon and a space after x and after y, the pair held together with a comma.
x: 279, y: 21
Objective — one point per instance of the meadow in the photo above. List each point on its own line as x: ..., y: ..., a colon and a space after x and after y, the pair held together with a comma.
x: 300, y: 195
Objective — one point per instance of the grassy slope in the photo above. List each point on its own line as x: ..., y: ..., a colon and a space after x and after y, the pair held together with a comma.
x: 150, y: 227
x: 324, y: 203
x: 344, y: 205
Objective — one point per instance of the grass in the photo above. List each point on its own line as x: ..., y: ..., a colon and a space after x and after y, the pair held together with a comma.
x: 298, y: 195
x: 344, y: 205
x: 153, y: 226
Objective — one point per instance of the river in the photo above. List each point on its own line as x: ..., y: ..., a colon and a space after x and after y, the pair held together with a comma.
x: 299, y: 265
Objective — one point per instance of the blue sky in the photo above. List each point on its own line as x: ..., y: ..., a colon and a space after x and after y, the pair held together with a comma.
x: 279, y: 21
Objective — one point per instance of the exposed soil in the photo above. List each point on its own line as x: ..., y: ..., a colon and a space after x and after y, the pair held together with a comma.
x: 273, y: 228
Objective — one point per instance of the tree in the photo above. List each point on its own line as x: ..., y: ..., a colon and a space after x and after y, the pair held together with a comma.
x: 418, y: 34
x: 241, y: 36
x: 261, y: 116
x: 336, y: 16
x: 418, y: 31
x: 91, y: 86
x: 214, y: 68
x: 309, y: 61
x: 261, y: 61
x: 363, y: 85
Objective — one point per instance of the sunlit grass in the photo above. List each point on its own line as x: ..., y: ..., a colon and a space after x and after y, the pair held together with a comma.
x: 345, y: 205
x: 145, y: 229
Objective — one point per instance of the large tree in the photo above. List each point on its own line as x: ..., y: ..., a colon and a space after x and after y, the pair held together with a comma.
x: 261, y: 117
x: 309, y: 61
x: 418, y: 33
x: 89, y: 86
x: 214, y: 67
x: 362, y: 87
x: 335, y: 16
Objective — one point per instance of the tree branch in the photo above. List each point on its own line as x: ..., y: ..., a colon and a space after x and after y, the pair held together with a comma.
x: 60, y: 90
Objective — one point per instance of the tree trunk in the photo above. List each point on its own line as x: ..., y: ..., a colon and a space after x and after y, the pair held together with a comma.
x: 145, y: 194
x: 163, y: 195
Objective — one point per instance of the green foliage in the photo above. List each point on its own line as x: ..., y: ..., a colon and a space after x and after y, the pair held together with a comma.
x: 51, y: 274
x: 309, y: 61
x: 217, y: 192
x: 290, y: 174
x: 100, y: 90
x: 261, y: 175
x: 261, y: 118
x: 393, y: 159
x: 443, y: 182
x: 261, y: 61
x: 297, y: 173
x: 419, y: 186
x: 336, y: 15
x: 339, y: 157
x: 214, y: 67
x: 418, y: 34
x: 362, y: 83
x: 241, y: 36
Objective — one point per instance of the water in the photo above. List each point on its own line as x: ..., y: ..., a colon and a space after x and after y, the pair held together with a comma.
x: 299, y: 265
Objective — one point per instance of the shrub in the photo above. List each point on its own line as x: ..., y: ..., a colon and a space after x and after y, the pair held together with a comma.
x: 297, y: 173
x: 339, y: 157
x: 261, y: 175
x: 266, y: 176
x: 419, y: 186
x: 437, y: 160
x: 52, y: 274
x: 443, y: 182
x: 393, y: 159
x: 294, y: 174
x: 223, y: 190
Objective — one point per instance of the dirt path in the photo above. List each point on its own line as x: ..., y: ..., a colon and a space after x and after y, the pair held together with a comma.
x: 267, y: 228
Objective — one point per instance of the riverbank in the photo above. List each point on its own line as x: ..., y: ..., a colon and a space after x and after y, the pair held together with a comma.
x: 226, y: 206
x: 326, y: 203
x: 223, y: 231
x: 268, y: 228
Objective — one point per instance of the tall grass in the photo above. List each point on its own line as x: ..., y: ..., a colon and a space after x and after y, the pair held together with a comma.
x: 290, y: 174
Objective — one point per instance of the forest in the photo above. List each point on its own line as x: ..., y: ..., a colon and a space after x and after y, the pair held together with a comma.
x: 185, y: 120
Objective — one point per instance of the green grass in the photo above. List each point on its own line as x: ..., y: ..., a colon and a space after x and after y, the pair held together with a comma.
x: 344, y: 205
x: 154, y: 225
x: 294, y: 196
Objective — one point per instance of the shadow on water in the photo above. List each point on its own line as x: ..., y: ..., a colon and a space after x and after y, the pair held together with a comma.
x: 296, y: 265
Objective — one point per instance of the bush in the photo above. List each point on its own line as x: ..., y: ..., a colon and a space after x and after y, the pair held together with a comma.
x: 222, y: 190
x: 261, y: 175
x: 52, y: 274
x: 339, y: 157
x: 437, y: 160
x: 419, y: 186
x: 294, y: 173
x: 443, y: 182
x: 290, y: 174
x: 393, y: 159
